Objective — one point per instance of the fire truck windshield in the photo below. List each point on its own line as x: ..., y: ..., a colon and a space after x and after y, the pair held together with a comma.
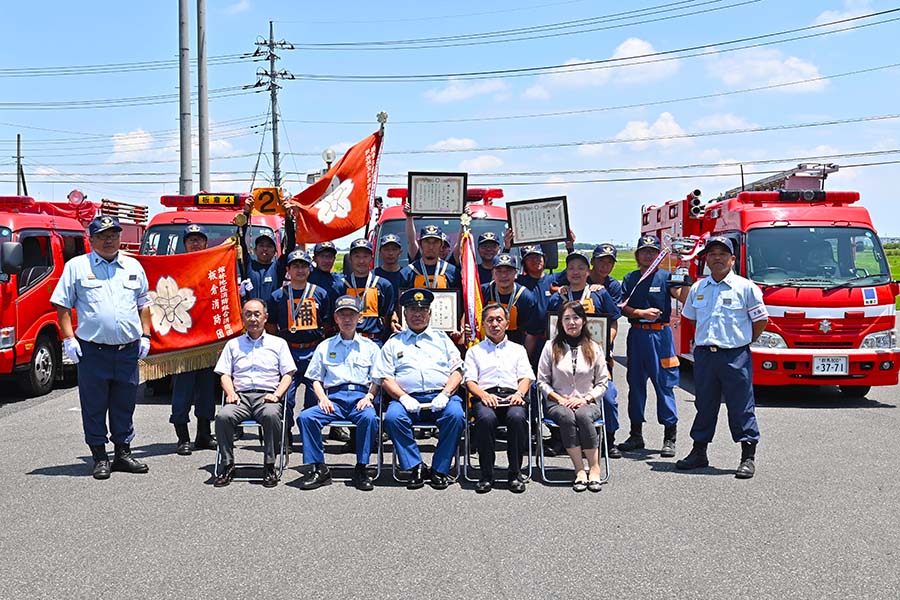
x: 816, y: 257
x: 166, y: 239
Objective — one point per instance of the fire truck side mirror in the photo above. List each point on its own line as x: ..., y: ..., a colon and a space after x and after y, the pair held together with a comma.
x: 11, y: 258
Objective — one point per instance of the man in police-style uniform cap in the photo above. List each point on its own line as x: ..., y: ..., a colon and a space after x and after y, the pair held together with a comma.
x: 109, y: 291
x: 430, y: 271
x: 723, y: 365
x: 488, y: 248
x: 421, y: 369
x: 650, y: 345
x: 322, y: 273
x: 389, y: 250
x: 375, y: 294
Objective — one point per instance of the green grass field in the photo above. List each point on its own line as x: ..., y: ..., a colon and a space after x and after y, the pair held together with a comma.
x: 894, y: 264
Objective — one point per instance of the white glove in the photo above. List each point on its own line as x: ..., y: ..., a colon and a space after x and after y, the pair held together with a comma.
x: 409, y: 403
x: 246, y: 287
x: 145, y: 348
x: 440, y: 401
x: 72, y: 349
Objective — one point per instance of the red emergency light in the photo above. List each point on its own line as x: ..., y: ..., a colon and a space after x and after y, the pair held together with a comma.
x: 401, y: 193
x: 791, y: 196
x: 483, y: 194
x: 13, y: 203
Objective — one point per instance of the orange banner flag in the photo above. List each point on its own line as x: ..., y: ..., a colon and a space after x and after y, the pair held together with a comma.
x: 340, y: 202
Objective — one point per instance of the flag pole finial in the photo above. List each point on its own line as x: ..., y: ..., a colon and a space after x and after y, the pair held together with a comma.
x: 382, y: 118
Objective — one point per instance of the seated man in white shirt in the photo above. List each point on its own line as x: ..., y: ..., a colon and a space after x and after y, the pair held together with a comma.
x: 498, y: 376
x: 256, y: 370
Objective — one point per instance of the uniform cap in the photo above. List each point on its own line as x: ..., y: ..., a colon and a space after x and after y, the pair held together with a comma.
x: 721, y: 241
x: 535, y: 249
x: 345, y: 302
x: 577, y: 254
x: 604, y: 250
x: 506, y: 260
x: 648, y: 241
x: 488, y: 236
x: 322, y: 246
x: 194, y: 228
x: 417, y: 297
x: 264, y: 236
x: 391, y: 238
x: 300, y: 255
x: 103, y: 223
x: 431, y: 231
x: 360, y: 244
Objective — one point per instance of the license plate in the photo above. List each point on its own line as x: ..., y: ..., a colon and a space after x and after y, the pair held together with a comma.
x: 830, y: 365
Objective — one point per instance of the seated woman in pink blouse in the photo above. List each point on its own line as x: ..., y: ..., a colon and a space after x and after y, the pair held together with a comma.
x: 573, y: 377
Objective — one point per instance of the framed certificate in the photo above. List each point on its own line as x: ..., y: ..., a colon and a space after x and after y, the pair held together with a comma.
x: 539, y: 220
x: 444, y: 310
x: 437, y: 194
x: 598, y: 325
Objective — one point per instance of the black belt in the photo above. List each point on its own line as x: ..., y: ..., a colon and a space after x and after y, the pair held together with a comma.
x: 255, y: 391
x: 347, y: 387
x: 501, y: 391
x: 111, y: 346
x: 718, y: 348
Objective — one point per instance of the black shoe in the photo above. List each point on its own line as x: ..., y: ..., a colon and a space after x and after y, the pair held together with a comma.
x: 439, y: 481
x: 361, y: 478
x: 668, y: 449
x: 554, y: 448
x: 614, y: 451
x: 225, y: 477
x: 634, y: 442
x: 696, y: 459
x: 318, y: 477
x: 339, y: 434
x: 127, y: 463
x: 516, y: 485
x: 417, y: 477
x: 270, y: 477
x: 101, y: 462
x: 483, y: 486
x: 238, y: 433
x: 205, y: 439
x: 184, y: 440
x: 746, y: 470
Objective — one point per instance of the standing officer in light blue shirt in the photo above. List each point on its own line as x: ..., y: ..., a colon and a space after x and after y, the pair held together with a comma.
x: 109, y: 292
x: 421, y: 368
x: 340, y: 371
x: 730, y: 315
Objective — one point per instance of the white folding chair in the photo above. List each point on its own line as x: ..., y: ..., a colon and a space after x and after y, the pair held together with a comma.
x: 604, y: 450
x: 470, y: 422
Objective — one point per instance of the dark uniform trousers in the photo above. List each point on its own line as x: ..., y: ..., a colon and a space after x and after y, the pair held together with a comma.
x: 197, y: 388
x: 728, y: 373
x: 108, y: 383
x: 251, y: 406
x: 487, y: 420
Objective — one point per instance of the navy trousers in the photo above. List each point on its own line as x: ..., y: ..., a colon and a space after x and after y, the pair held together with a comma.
x: 313, y: 419
x: 651, y: 355
x: 728, y: 374
x: 107, y: 385
x: 450, y: 422
x: 195, y: 388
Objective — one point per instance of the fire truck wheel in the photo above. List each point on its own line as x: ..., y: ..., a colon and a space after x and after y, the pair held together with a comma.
x: 854, y: 391
x: 41, y: 374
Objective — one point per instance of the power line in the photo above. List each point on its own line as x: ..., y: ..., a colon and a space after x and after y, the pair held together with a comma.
x: 608, y: 63
x: 115, y: 68
x: 564, y: 28
x: 116, y: 102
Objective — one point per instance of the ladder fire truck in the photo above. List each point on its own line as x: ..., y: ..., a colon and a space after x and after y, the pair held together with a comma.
x: 822, y: 269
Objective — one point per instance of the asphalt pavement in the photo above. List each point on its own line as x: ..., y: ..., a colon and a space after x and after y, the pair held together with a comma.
x: 821, y: 519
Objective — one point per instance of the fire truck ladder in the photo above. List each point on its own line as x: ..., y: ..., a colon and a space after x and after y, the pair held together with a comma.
x: 805, y: 176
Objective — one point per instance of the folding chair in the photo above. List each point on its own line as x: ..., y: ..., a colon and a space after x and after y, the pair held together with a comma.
x: 429, y: 427
x: 379, y: 460
x: 470, y: 422
x: 604, y: 450
x: 249, y: 423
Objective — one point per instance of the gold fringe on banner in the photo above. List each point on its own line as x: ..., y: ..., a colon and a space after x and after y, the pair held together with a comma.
x: 180, y: 361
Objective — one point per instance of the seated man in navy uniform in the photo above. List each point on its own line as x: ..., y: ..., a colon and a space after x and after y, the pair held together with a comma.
x: 421, y: 368
x: 341, y: 375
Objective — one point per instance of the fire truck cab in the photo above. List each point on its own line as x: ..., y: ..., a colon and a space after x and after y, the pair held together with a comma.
x: 37, y: 239
x: 820, y: 264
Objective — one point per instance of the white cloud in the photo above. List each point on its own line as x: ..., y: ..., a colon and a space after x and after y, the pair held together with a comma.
x: 133, y: 141
x: 457, y: 90
x: 45, y: 172
x: 341, y: 148
x: 141, y: 145
x: 665, y: 125
x: 852, y: 8
x: 719, y: 122
x: 454, y: 144
x: 638, y: 71
x: 480, y: 164
x: 238, y: 7
x: 762, y: 66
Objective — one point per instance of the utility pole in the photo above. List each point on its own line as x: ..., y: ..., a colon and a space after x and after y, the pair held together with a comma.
x: 20, y: 175
x: 202, y: 98
x: 185, y: 182
x: 270, y: 78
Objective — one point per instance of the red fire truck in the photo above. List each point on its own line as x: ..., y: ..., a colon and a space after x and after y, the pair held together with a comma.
x: 820, y: 264
x: 38, y: 238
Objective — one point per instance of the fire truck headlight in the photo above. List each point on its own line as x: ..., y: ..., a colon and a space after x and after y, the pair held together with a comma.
x: 879, y: 340
x: 7, y: 337
x: 769, y: 340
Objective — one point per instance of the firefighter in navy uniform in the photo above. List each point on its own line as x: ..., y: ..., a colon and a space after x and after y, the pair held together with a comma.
x: 375, y: 294
x: 301, y: 313
x: 524, y: 324
x: 324, y: 255
x: 430, y: 271
x: 488, y: 249
x: 650, y: 346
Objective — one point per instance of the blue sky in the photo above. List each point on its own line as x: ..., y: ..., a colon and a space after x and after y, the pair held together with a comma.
x: 86, y: 148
